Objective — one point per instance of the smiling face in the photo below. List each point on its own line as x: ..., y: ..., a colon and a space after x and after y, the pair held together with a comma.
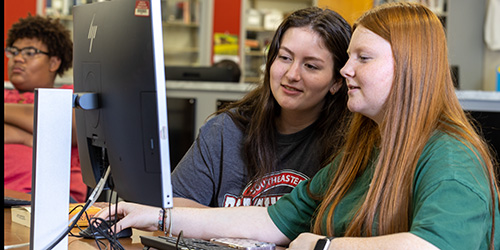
x: 36, y: 72
x: 369, y: 73
x: 302, y: 74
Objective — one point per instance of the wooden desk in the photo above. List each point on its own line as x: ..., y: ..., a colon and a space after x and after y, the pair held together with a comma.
x: 15, y: 233
x: 18, y: 234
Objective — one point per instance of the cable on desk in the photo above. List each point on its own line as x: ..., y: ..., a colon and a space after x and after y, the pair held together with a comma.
x: 93, y: 197
x: 180, y: 239
x: 98, y: 241
x: 106, y: 233
x: 78, y: 226
x: 111, y: 237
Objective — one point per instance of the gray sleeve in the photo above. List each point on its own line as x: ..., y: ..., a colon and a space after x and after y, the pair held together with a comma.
x: 198, y: 174
x: 193, y: 177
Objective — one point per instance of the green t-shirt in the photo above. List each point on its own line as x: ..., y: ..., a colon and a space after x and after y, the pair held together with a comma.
x: 451, y: 199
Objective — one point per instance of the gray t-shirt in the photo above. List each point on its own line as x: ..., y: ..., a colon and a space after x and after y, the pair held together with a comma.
x: 213, y: 171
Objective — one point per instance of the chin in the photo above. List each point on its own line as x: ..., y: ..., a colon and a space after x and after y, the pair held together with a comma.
x: 19, y: 86
x: 352, y: 107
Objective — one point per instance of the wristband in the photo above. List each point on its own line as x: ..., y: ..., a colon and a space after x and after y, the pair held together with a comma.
x: 323, y: 244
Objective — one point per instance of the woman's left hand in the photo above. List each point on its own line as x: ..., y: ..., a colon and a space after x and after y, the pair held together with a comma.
x: 305, y: 241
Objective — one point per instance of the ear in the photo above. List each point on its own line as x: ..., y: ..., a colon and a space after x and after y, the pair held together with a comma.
x: 54, y: 63
x: 336, y: 86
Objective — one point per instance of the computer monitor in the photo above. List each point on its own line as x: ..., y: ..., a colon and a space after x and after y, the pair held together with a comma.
x: 118, y: 58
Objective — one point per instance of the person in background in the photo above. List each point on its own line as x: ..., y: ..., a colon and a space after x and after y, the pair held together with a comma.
x: 413, y: 174
x: 38, y: 49
x: 282, y: 132
x: 231, y: 66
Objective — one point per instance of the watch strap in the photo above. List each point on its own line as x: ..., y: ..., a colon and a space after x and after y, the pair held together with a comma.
x: 323, y: 243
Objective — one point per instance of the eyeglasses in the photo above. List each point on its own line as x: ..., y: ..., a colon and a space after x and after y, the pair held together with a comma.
x: 27, y: 52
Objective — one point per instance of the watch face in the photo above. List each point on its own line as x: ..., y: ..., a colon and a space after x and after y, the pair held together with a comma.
x: 321, y: 244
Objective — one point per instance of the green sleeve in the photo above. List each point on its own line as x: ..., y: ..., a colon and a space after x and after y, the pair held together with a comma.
x: 293, y: 213
x: 452, y: 217
x: 452, y: 201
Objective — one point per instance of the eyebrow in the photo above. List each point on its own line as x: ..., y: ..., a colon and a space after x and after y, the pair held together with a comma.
x: 360, y: 48
x: 309, y: 58
x: 27, y: 47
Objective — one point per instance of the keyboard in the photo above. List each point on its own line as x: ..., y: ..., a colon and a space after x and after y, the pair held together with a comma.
x: 10, y: 201
x: 169, y: 243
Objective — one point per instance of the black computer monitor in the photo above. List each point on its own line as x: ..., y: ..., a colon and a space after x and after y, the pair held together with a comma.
x: 118, y: 56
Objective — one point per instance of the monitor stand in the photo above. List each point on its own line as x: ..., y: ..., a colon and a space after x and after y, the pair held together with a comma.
x: 53, y: 118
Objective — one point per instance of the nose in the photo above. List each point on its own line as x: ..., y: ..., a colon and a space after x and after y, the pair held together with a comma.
x: 293, y: 72
x: 347, y: 70
x: 18, y: 57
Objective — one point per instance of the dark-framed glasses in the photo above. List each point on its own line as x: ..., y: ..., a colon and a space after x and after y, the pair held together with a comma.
x: 26, y: 52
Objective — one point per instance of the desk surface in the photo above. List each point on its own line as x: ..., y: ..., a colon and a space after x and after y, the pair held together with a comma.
x: 17, y: 234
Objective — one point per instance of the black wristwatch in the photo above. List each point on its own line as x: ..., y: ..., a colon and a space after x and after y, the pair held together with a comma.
x: 323, y: 244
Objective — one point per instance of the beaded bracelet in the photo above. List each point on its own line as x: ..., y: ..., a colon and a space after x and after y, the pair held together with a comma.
x: 161, y: 219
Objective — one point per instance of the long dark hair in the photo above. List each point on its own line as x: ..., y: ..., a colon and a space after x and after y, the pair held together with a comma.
x: 256, y: 112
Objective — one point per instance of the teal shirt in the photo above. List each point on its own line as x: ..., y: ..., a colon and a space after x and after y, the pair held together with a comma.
x: 451, y: 199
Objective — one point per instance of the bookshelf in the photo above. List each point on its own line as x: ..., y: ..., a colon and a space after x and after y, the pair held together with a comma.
x: 186, y: 28
x: 260, y: 19
x: 185, y: 23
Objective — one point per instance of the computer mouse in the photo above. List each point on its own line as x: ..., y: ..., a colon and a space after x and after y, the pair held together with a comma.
x: 91, y: 232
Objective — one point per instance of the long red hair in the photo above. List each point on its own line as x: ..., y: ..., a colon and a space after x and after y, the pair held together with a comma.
x: 422, y: 100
